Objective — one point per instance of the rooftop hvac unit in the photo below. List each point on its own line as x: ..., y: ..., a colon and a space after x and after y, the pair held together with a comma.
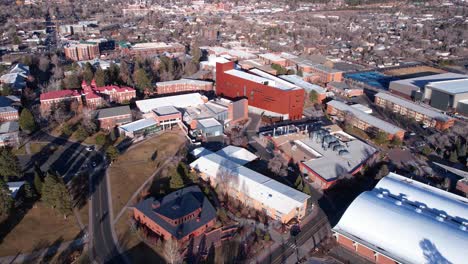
x: 343, y: 152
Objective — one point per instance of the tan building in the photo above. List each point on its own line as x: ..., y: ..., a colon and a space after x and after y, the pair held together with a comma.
x: 425, y: 115
x: 82, y: 51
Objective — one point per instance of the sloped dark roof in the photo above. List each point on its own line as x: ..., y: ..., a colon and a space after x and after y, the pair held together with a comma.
x: 176, y: 205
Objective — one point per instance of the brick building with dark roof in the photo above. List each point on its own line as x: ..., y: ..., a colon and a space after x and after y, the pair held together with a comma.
x: 108, y: 118
x: 179, y: 215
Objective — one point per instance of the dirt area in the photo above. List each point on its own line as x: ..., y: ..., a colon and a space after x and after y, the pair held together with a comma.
x: 413, y: 71
x: 133, y: 167
x: 40, y: 227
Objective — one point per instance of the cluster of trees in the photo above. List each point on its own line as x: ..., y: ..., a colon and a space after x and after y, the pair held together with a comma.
x: 180, y: 176
x: 301, y: 186
x: 9, y: 164
x: 280, y: 70
x: 451, y: 144
x: 278, y: 165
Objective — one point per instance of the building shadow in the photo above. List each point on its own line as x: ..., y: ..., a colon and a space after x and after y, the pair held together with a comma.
x: 431, y: 253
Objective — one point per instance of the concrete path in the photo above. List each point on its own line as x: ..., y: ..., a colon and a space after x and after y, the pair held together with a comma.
x: 27, y: 257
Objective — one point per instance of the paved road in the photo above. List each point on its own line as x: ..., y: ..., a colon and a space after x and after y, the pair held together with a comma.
x: 104, y: 249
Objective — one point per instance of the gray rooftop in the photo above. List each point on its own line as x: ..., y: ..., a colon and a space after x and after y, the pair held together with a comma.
x: 183, y: 81
x: 338, y: 85
x: 420, y: 82
x: 113, y: 111
x: 331, y: 165
x: 209, y: 122
x: 297, y: 80
x: 166, y: 110
x: 451, y: 87
x: 414, y: 106
x: 9, y: 127
x: 371, y: 120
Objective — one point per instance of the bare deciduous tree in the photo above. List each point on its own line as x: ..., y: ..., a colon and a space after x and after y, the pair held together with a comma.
x: 172, y: 251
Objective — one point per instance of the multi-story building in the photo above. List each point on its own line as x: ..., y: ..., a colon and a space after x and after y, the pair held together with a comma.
x: 225, y: 169
x: 167, y: 116
x: 448, y: 95
x: 91, y: 96
x: 183, y: 85
x: 108, y: 118
x: 154, y: 48
x: 362, y: 120
x: 425, y: 115
x: 82, y: 51
x: 344, y: 89
x: 179, y: 215
x: 8, y: 108
x: 405, y: 221
x: 324, y: 74
x: 265, y: 93
x: 9, y: 134
x: 271, y: 58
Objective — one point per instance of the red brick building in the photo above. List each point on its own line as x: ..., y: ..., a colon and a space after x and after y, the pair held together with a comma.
x: 183, y: 85
x: 268, y: 95
x: 8, y: 113
x: 108, y: 118
x: 91, y: 96
x: 180, y: 215
x: 324, y: 73
x: 154, y: 48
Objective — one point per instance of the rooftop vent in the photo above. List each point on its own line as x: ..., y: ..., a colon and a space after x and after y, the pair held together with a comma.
x: 380, y: 195
x: 398, y: 203
x: 462, y: 227
x: 385, y: 193
x: 440, y: 218
x: 418, y: 210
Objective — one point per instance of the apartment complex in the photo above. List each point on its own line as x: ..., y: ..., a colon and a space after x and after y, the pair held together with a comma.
x: 82, y: 51
x: 265, y: 93
x: 424, y: 115
x: 183, y: 85
x: 362, y: 120
x: 405, y: 221
x: 225, y: 169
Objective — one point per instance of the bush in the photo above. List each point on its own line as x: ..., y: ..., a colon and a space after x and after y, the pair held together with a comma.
x: 101, y: 139
x: 266, y: 237
x: 67, y: 130
x: 81, y: 133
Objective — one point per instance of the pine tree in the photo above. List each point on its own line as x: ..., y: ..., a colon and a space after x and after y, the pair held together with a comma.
x: 298, y: 181
x: 142, y: 80
x: 6, y: 201
x: 29, y: 191
x: 100, y: 77
x: 88, y: 72
x: 176, y: 181
x: 453, y: 157
x: 112, y: 153
x: 26, y: 121
x: 56, y: 195
x: 306, y: 189
x: 9, y: 164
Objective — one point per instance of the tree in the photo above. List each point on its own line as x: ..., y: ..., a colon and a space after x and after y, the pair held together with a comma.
x: 461, y: 150
x: 172, y: 251
x: 56, y: 195
x: 383, y: 171
x: 396, y: 141
x: 278, y: 165
x: 112, y: 153
x: 88, y: 72
x: 381, y: 138
x: 26, y: 121
x: 176, y: 181
x: 426, y: 150
x: 9, y: 164
x: 81, y: 133
x: 6, y: 201
x: 306, y: 189
x: 453, y: 156
x: 196, y: 54
x: 100, y: 77
x: 37, y: 183
x: 29, y: 191
x: 142, y: 80
x: 101, y: 139
x: 313, y: 96
x: 73, y: 81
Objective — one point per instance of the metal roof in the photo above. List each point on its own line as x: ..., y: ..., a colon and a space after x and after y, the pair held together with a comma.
x: 166, y: 110
x: 371, y: 120
x: 138, y: 125
x: 413, y: 106
x: 9, y: 127
x: 209, y: 122
x: 180, y: 101
x: 297, y: 80
x: 113, y: 111
x: 407, y: 225
x: 451, y: 87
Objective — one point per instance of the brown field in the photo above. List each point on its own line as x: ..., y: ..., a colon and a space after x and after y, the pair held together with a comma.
x: 133, y: 167
x: 41, y: 227
x: 413, y: 70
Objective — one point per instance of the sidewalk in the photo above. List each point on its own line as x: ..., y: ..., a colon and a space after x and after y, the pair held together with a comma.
x: 28, y: 257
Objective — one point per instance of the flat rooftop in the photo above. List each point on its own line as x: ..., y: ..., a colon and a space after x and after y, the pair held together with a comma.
x: 264, y: 78
x: 413, y: 106
x: 166, y: 110
x: 420, y: 82
x: 451, y: 87
x: 371, y: 120
x: 330, y: 165
x: 179, y: 101
x: 183, y: 81
x: 297, y: 80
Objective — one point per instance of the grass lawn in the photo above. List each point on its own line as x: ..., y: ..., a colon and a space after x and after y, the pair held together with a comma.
x: 134, y: 166
x: 40, y: 227
x: 37, y: 147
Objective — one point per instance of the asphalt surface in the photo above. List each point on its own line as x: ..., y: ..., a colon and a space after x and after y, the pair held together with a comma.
x: 104, y: 249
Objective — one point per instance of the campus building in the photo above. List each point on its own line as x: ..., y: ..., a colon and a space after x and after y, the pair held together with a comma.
x: 427, y: 116
x: 180, y: 215
x: 362, y: 120
x: 82, y: 51
x: 405, y: 221
x: 307, y: 86
x: 344, y: 89
x: 8, y: 108
x: 9, y: 134
x: 265, y: 93
x: 448, y: 95
x: 91, y: 96
x: 108, y: 118
x: 324, y: 74
x: 225, y: 169
x: 153, y: 48
x: 183, y: 85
